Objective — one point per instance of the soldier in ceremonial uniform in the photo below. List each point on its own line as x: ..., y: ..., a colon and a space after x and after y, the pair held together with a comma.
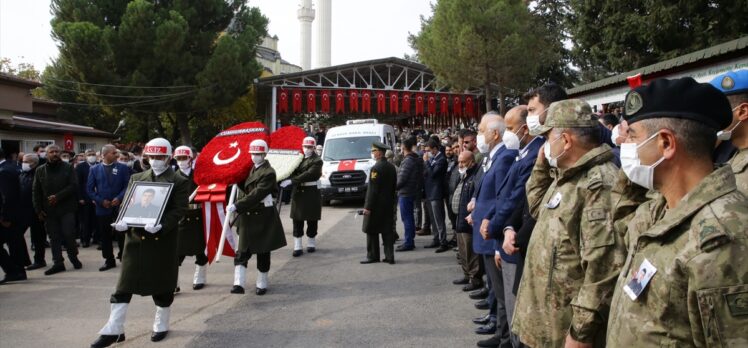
x: 259, y: 226
x: 380, y: 198
x: 149, y: 261
x: 306, y: 201
x: 692, y: 237
x: 191, y: 229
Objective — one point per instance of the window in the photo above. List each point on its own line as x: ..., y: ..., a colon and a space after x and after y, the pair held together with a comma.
x: 82, y: 147
x: 28, y: 145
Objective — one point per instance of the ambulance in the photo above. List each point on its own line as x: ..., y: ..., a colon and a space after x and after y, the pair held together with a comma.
x: 346, y: 157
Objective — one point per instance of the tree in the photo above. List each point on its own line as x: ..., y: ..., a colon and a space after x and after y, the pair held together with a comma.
x: 496, y: 44
x: 554, y: 15
x: 164, y: 62
x: 612, y: 37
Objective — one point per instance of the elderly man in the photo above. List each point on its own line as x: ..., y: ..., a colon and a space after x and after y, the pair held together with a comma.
x: 692, y: 238
x: 29, y: 220
x: 464, y: 189
x: 574, y: 255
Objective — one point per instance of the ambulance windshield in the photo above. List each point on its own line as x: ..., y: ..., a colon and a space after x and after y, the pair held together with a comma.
x: 340, y: 149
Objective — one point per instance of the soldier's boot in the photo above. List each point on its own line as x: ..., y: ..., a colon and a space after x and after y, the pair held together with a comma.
x: 240, y: 277
x: 262, y: 283
x: 297, y: 247
x: 114, y: 329
x: 161, y: 323
x: 311, y: 245
x: 177, y: 289
x: 198, y: 281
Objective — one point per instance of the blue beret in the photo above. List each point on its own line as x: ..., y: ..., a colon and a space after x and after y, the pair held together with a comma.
x: 732, y: 82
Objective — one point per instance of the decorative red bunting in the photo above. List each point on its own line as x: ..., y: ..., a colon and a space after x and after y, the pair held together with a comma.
x: 296, y: 101
x: 406, y: 103
x: 325, y: 107
x: 394, y: 103
x: 366, y: 102
x: 380, y: 102
x: 311, y: 101
x: 283, y: 101
x: 444, y: 107
x: 419, y: 104
x: 339, y: 102
x: 457, y: 105
x: 432, y: 104
x: 353, y: 101
x: 469, y: 106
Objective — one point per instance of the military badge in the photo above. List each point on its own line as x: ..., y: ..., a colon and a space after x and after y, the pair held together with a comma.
x: 373, y: 175
x: 728, y: 83
x: 634, y: 103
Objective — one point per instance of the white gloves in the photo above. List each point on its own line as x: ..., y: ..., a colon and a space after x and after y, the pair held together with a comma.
x: 150, y: 228
x: 230, y: 209
x: 285, y: 183
x: 120, y: 226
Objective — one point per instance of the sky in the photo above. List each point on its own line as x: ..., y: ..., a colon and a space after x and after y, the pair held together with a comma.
x: 361, y: 30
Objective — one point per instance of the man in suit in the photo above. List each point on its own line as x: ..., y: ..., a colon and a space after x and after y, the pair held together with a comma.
x: 380, y: 197
x: 435, y: 171
x: 106, y: 186
x: 86, y: 208
x: 11, y: 261
x: 29, y: 220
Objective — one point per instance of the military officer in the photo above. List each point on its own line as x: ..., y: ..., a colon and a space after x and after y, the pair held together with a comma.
x: 149, y: 261
x: 259, y: 226
x: 734, y: 85
x: 691, y: 238
x: 191, y: 229
x: 574, y: 255
x: 380, y: 198
x: 306, y: 201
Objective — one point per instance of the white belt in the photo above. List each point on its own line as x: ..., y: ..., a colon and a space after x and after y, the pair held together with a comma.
x: 268, y: 201
x: 310, y: 183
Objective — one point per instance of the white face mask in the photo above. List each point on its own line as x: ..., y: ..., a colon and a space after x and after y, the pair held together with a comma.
x: 615, y: 133
x: 511, y: 140
x: 373, y: 157
x: 25, y: 167
x: 308, y: 152
x: 91, y: 159
x: 123, y: 162
x: 184, y: 165
x: 158, y: 166
x: 43, y: 154
x: 258, y: 159
x: 66, y: 160
x: 553, y: 161
x: 642, y: 175
x: 481, y: 144
x: 462, y: 170
x: 725, y: 135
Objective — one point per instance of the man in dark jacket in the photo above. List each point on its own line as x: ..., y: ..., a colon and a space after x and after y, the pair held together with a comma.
x: 469, y: 260
x: 380, y: 197
x: 86, y: 207
x: 28, y: 218
x: 451, y: 152
x: 12, y: 262
x: 306, y: 201
x: 435, y: 172
x: 408, y: 188
x: 54, y: 192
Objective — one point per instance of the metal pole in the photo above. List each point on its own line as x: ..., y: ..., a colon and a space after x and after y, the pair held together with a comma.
x: 226, y: 224
x: 274, y: 111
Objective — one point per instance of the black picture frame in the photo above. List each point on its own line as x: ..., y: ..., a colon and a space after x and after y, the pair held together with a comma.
x: 136, y: 215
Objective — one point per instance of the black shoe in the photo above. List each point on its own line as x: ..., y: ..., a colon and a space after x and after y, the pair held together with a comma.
x: 236, y: 289
x: 311, y: 249
x: 391, y: 262
x: 480, y: 294
x: 107, y: 340
x: 482, y: 305
x: 36, y: 265
x: 86, y: 244
x: 482, y: 320
x: 197, y: 286
x: 76, y: 263
x: 56, y: 268
x: 297, y: 253
x: 432, y: 245
x: 158, y: 336
x: 260, y: 292
x: 442, y: 248
x: 461, y: 281
x: 404, y: 248
x: 13, y: 277
x: 177, y: 290
x: 493, y: 342
x: 367, y: 261
x: 488, y: 329
x: 107, y: 266
x: 471, y: 287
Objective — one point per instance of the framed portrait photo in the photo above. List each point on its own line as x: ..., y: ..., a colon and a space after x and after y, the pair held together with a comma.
x: 144, y: 203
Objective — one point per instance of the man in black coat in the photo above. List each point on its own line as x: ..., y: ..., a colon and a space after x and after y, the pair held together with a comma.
x: 466, y: 257
x: 11, y: 261
x: 380, y: 197
x: 409, y: 182
x: 435, y: 172
x: 86, y: 208
x: 28, y: 219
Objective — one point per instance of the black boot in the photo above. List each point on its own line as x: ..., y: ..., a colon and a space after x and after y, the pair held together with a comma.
x: 76, y: 263
x: 158, y: 336
x: 236, y: 289
x: 107, y: 340
x: 36, y: 265
x: 56, y: 268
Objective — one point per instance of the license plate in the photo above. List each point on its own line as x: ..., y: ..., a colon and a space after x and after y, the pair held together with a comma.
x: 354, y: 189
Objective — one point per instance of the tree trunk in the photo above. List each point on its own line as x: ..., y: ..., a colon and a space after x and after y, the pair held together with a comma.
x: 183, y: 123
x: 487, y: 88
x: 502, y: 104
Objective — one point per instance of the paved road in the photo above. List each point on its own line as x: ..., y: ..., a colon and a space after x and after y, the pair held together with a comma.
x: 325, y: 299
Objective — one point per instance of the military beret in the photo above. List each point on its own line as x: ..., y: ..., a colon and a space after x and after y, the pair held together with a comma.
x: 570, y: 113
x: 732, y: 82
x: 377, y: 145
x: 682, y: 98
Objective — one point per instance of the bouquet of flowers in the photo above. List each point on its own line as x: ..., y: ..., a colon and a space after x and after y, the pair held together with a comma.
x: 285, y: 153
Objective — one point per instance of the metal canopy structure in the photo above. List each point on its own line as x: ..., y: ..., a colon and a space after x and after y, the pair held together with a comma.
x: 396, y: 77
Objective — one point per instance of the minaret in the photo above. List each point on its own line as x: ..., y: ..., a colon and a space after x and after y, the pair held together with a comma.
x: 305, y: 14
x: 324, y: 24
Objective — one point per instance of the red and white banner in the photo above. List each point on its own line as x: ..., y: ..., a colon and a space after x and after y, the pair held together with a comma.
x: 381, y: 103
x: 469, y: 104
x: 283, y: 101
x: 432, y: 104
x: 325, y: 103
x: 296, y: 107
x: 406, y: 103
x: 353, y: 101
x: 444, y: 104
x: 394, y: 103
x: 419, y: 104
x: 68, y: 142
x: 366, y: 102
x: 457, y: 105
x: 311, y: 101
x: 212, y: 197
x: 339, y: 102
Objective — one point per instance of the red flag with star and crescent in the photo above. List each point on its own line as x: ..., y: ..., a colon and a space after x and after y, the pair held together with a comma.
x: 353, y: 100
x: 406, y: 103
x: 339, y: 102
x: 325, y: 103
x: 366, y: 101
x: 296, y: 102
x: 432, y: 104
x: 380, y: 102
x: 283, y: 101
x: 394, y: 103
x: 457, y: 105
x: 311, y: 101
x: 419, y: 104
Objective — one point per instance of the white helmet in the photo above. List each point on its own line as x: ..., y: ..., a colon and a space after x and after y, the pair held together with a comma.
x: 183, y: 151
x: 258, y: 146
x: 157, y: 147
x: 308, y: 141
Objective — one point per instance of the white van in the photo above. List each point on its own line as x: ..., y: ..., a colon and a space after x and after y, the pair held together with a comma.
x: 347, y: 158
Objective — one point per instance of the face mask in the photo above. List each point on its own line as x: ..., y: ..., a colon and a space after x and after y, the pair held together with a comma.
x: 183, y: 165
x: 615, y: 133
x: 511, y: 141
x: 25, y: 167
x: 725, y: 135
x: 258, y: 159
x: 91, y: 159
x: 158, y: 166
x: 308, y: 152
x: 462, y: 171
x: 642, y: 175
x: 42, y: 154
x: 124, y: 162
x: 553, y: 161
x: 533, y: 122
x: 373, y: 157
x: 482, y: 146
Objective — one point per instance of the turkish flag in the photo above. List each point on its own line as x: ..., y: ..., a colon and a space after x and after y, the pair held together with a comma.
x: 296, y: 101
x: 469, y: 106
x: 68, y: 137
x: 432, y: 104
x: 311, y: 101
x: 325, y: 104
x: 444, y: 101
x: 353, y: 100
x: 406, y: 103
x: 283, y: 101
x: 419, y: 104
x: 366, y: 102
x: 394, y: 103
x: 635, y: 81
x: 457, y: 105
x: 380, y: 102
x: 339, y: 102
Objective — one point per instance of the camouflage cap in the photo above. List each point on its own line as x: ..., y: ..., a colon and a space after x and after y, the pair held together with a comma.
x: 570, y: 113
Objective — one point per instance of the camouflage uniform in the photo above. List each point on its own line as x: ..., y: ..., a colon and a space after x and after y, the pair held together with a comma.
x: 698, y: 296
x: 739, y: 165
x: 574, y: 255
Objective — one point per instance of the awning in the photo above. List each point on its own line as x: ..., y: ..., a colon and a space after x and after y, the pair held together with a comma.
x: 44, y: 125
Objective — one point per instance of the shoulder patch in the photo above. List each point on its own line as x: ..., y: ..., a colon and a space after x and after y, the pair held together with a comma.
x: 594, y: 179
x: 373, y: 174
x: 711, y: 236
x: 596, y: 214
